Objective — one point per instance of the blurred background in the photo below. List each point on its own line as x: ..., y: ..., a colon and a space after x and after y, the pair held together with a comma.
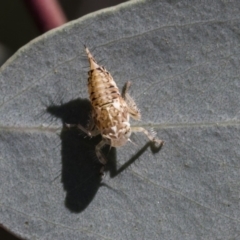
x: 23, y: 20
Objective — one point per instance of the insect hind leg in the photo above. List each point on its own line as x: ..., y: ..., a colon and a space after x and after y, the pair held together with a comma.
x: 149, y: 136
x: 100, y: 155
x: 90, y: 130
x: 131, y: 105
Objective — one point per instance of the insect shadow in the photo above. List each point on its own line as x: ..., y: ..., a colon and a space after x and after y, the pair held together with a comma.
x: 80, y: 166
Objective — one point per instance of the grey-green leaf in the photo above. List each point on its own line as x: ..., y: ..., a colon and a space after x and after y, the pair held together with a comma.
x: 183, y: 59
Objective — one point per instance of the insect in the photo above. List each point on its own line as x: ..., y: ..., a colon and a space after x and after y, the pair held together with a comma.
x: 111, y: 111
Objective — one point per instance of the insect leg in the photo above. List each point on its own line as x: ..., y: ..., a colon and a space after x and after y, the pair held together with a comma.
x: 99, y: 154
x: 150, y: 137
x: 91, y: 129
x: 132, y: 107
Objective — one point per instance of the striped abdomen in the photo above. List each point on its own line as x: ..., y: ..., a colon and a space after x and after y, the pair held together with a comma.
x: 110, y: 111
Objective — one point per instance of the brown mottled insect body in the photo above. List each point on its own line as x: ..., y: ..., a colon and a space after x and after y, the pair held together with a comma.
x: 111, y: 111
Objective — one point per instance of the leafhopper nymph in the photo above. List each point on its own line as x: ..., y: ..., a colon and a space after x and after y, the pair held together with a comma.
x: 111, y: 111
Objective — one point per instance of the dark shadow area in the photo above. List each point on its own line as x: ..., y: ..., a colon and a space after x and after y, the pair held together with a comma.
x: 80, y: 166
x: 80, y: 169
x: 6, y: 234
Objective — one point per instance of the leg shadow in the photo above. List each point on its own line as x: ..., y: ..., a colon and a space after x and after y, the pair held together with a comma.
x: 112, y: 168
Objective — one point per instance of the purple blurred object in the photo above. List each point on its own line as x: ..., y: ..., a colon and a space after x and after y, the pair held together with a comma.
x: 48, y: 14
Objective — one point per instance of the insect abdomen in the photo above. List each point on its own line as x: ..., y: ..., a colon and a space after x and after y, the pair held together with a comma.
x: 102, y: 89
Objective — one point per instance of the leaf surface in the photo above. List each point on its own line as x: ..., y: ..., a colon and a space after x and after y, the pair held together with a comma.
x: 183, y: 60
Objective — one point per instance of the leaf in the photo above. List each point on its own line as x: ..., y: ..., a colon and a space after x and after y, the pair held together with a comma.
x: 183, y: 60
